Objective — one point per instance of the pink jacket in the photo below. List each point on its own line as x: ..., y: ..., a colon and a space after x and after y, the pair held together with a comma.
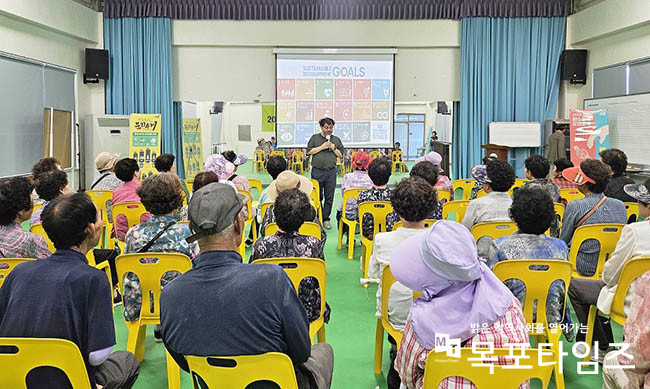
x: 123, y: 194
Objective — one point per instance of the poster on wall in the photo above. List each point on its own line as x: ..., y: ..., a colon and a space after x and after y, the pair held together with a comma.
x: 589, y: 134
x: 192, y: 149
x: 144, y: 142
x: 268, y: 117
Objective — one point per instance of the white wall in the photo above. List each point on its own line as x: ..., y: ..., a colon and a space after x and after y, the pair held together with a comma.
x: 613, y: 31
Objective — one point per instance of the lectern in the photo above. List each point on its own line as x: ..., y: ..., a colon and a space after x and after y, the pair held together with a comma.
x: 500, y: 151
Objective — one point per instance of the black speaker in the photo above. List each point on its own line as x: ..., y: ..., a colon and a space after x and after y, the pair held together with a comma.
x: 442, y: 108
x: 574, y: 66
x: 96, y: 65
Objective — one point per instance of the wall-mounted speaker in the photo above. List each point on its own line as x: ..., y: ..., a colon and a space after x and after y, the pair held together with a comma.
x: 96, y: 65
x: 574, y: 66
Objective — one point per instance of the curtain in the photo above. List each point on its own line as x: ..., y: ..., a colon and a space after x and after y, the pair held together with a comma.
x: 140, y: 73
x: 510, y: 71
x: 334, y: 9
x: 178, y: 138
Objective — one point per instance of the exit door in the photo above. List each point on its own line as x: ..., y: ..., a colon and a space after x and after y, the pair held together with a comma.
x: 409, y: 132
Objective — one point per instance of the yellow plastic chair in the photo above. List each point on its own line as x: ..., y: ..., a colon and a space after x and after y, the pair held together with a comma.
x: 374, y: 154
x: 606, y: 234
x: 519, y: 182
x: 259, y: 161
x: 101, y: 198
x: 440, y: 366
x: 8, y: 264
x: 340, y: 165
x: 188, y: 184
x: 465, y: 186
x: 249, y: 208
x: 379, y: 211
x: 427, y: 223
x: 398, y: 162
x: 39, y: 230
x: 457, y: 207
x: 18, y: 356
x: 132, y: 210
x: 255, y: 184
x: 570, y: 194
x: 481, y: 193
x: 443, y: 195
x: 103, y: 266
x: 240, y: 371
x: 559, y: 210
x: 149, y: 275
x: 632, y: 270
x: 299, y: 268
x: 296, y: 162
x: 265, y: 206
x: 632, y: 209
x: 307, y: 228
x: 538, y: 275
x: 278, y: 152
x: 494, y: 230
x: 352, y: 193
x: 314, y: 196
x: 37, y: 206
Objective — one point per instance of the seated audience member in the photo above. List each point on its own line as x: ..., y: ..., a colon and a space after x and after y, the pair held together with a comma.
x: 127, y: 170
x: 63, y: 297
x: 223, y: 168
x: 591, y: 177
x: 273, y: 142
x: 478, y: 172
x: 637, y: 336
x: 497, y: 178
x: 537, y: 168
x: 558, y: 168
x: 162, y: 196
x: 45, y: 165
x: 454, y: 281
x: 291, y: 209
x: 532, y: 210
x: 413, y: 199
x: 236, y: 320
x: 241, y: 183
x: 617, y: 162
x: 444, y: 182
x: 275, y: 165
x: 290, y: 180
x: 357, y: 179
x: 379, y: 171
x: 49, y: 186
x: 633, y: 243
x: 16, y: 206
x: 165, y: 163
x: 106, y: 179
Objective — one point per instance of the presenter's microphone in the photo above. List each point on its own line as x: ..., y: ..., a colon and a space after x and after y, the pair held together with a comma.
x: 328, y: 137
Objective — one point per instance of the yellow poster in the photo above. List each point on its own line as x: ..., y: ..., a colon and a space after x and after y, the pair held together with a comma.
x: 268, y: 117
x: 144, y: 145
x: 192, y: 150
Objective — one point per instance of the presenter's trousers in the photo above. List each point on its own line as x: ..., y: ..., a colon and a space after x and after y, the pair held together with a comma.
x: 327, y: 182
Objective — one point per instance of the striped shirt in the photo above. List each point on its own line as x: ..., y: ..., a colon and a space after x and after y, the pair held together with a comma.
x: 18, y: 243
x: 611, y: 211
x: 412, y: 357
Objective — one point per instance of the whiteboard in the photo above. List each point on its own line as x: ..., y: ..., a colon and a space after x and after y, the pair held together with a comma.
x: 516, y: 134
x: 629, y: 124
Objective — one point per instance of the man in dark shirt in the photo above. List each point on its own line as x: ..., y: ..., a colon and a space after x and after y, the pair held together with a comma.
x: 324, y: 148
x: 223, y: 307
x: 617, y: 161
x: 63, y: 297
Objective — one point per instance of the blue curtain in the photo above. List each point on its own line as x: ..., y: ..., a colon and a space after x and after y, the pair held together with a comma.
x: 178, y: 138
x: 510, y: 71
x: 140, y: 72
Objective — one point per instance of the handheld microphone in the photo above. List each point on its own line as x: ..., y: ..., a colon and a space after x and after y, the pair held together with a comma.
x: 328, y: 137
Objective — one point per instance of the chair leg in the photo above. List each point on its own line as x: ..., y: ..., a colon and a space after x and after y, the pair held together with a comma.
x: 136, y: 340
x: 379, y: 346
x: 351, y: 233
x: 591, y: 323
x: 341, y: 234
x: 173, y: 373
x: 321, y: 334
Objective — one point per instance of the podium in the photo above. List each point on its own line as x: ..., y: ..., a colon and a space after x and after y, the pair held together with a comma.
x: 442, y: 148
x: 500, y: 151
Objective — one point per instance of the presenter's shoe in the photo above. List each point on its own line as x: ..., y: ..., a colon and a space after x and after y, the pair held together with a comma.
x: 327, y: 225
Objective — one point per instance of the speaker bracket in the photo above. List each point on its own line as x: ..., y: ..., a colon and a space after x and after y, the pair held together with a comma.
x: 90, y: 80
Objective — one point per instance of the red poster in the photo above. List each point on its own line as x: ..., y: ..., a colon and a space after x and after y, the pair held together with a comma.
x: 589, y: 134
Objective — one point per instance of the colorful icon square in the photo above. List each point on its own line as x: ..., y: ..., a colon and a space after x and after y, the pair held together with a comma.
x: 304, y: 111
x: 304, y: 89
x: 343, y: 111
x: 324, y: 89
x: 343, y: 89
x: 362, y: 89
x: 286, y: 89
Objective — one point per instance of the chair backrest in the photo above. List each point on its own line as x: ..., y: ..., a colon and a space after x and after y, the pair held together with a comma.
x: 316, y: 185
x: 465, y: 185
x: 352, y: 193
x: 374, y: 154
x: 494, y: 229
x: 457, y: 207
x: 427, y: 223
x: 307, y: 228
x: 265, y: 206
x: 481, y: 193
x: 258, y: 156
x: 537, y: 275
x: 150, y: 274
x: 570, y: 194
x: 379, y: 211
x: 559, y: 210
x: 632, y: 269
x: 255, y: 184
x: 100, y: 198
x: 315, y: 196
x: 133, y: 211
x: 519, y: 182
x: 606, y: 234
x: 39, y: 230
x: 632, y: 209
x: 443, y: 194
x: 18, y: 356
x: 188, y: 184
x: 297, y: 156
x: 8, y: 264
x: 440, y: 366
x: 278, y: 152
x: 240, y: 371
x: 397, y: 156
x: 248, y: 205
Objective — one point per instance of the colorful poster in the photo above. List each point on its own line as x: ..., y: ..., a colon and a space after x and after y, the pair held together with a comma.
x: 144, y: 143
x: 268, y: 117
x: 589, y: 134
x: 192, y: 149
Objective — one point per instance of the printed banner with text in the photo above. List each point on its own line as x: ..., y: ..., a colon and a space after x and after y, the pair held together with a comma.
x: 589, y: 134
x: 268, y: 117
x: 144, y: 142
x: 192, y: 150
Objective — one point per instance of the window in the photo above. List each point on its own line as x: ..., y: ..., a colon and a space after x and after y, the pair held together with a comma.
x: 628, y: 78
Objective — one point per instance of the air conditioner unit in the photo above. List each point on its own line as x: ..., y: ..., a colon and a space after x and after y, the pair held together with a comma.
x: 102, y: 133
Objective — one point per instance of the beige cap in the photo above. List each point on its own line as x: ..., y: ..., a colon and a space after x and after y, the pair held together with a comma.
x: 105, y: 160
x: 289, y: 180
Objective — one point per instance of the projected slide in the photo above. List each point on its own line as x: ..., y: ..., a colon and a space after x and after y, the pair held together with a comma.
x: 357, y: 94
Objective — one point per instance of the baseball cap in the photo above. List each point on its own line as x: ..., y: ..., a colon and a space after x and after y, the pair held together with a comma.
x: 289, y: 180
x: 212, y: 209
x: 106, y: 160
x: 577, y: 176
x: 638, y: 191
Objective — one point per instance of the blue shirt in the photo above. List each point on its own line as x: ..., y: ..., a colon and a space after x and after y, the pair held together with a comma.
x: 62, y: 297
x: 223, y: 307
x: 611, y: 211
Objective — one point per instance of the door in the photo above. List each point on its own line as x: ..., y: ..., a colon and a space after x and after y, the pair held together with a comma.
x: 416, y: 139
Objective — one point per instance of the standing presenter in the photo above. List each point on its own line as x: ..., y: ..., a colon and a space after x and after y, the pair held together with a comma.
x: 324, y: 148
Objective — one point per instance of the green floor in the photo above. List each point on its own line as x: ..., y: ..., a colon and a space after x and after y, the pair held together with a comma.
x: 351, y: 331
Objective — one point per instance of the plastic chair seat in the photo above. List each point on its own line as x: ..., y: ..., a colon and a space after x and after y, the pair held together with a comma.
x: 494, y: 230
x: 352, y: 193
x: 457, y: 207
x: 570, y: 194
